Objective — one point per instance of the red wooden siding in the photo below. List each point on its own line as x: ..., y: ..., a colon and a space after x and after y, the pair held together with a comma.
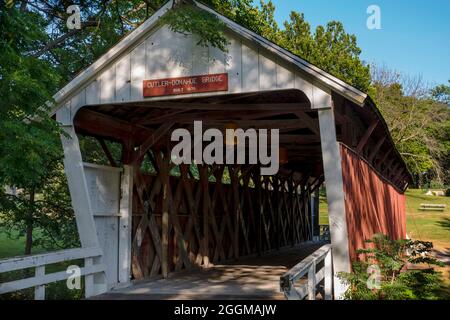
x: 371, y: 203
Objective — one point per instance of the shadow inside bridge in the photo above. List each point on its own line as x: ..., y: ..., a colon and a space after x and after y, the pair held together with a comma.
x: 247, y: 278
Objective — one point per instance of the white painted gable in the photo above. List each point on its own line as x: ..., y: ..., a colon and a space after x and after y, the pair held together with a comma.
x: 154, y: 52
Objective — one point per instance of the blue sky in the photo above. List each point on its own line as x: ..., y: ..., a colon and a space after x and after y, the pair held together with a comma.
x: 415, y: 34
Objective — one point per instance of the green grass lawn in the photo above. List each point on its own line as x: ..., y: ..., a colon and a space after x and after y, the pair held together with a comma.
x: 14, y: 247
x: 424, y: 225
x: 428, y: 225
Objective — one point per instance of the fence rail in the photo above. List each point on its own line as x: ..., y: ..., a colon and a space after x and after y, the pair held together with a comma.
x: 289, y: 282
x: 40, y: 278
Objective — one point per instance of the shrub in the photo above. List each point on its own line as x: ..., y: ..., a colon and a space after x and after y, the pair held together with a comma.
x: 394, y: 270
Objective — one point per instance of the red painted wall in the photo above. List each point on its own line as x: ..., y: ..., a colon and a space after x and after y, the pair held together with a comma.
x: 371, y: 203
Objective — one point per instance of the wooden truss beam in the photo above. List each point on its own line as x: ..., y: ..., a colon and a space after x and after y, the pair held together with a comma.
x: 226, y: 106
x: 365, y: 138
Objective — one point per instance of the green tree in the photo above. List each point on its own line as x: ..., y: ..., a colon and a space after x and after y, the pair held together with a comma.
x: 441, y: 93
x: 329, y: 48
x: 29, y: 139
x: 419, y: 125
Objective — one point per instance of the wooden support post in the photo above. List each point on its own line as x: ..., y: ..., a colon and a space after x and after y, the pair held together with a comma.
x: 315, y: 215
x: 335, y: 197
x: 277, y: 223
x: 81, y: 202
x: 88, y: 279
x: 125, y: 221
x: 260, y: 209
x: 312, y: 282
x: 236, y: 206
x: 164, y: 173
x: 206, y: 204
x: 39, y: 291
x: 328, y: 279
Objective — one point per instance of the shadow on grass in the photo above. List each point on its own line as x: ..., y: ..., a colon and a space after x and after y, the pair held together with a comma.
x: 444, y: 223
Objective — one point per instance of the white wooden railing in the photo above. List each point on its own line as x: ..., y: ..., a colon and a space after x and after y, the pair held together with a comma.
x: 295, y: 287
x: 40, y: 278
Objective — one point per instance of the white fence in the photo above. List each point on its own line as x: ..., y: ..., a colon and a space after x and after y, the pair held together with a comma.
x: 40, y: 278
x: 296, y: 288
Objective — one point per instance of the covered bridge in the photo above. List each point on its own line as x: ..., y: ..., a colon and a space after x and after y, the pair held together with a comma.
x: 154, y: 224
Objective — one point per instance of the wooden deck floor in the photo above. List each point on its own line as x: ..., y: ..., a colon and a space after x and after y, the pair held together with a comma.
x: 249, y: 278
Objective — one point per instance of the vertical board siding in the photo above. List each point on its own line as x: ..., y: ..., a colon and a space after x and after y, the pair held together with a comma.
x: 169, y: 54
x: 285, y: 77
x: 199, y: 58
x: 93, y: 92
x: 103, y: 184
x: 64, y: 115
x: 165, y: 54
x: 123, y: 79
x: 250, y: 72
x: 108, y: 85
x: 302, y: 84
x: 216, y: 60
x: 137, y: 66
x: 233, y: 66
x: 372, y: 205
x: 267, y: 73
x: 107, y: 230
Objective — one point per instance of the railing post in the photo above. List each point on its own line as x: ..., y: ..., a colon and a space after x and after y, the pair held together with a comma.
x: 88, y: 279
x: 328, y: 277
x: 312, y: 281
x: 39, y: 291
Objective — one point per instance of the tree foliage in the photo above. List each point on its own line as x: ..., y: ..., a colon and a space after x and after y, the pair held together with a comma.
x: 405, y: 271
x: 419, y: 124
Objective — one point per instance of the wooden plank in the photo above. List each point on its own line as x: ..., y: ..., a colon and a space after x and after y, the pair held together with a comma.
x: 267, y: 73
x: 217, y: 60
x: 107, y: 152
x: 123, y: 79
x: 93, y: 92
x: 308, y: 121
x: 250, y: 74
x: 152, y: 140
x: 24, y: 262
x: 108, y: 85
x: 285, y: 76
x: 282, y: 107
x: 376, y: 148
x: 137, y: 61
x: 233, y: 65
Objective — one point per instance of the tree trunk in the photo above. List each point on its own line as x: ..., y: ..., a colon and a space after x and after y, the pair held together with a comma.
x: 29, y: 233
